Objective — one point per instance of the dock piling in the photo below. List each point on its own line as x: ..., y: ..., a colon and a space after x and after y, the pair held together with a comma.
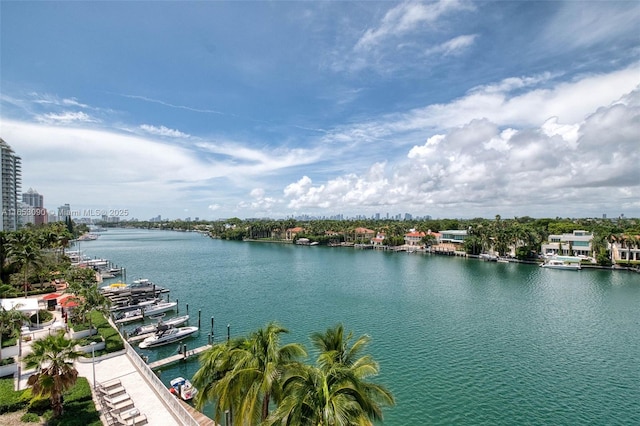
x: 199, y: 312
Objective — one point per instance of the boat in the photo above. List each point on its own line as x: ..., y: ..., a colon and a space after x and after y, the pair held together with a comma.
x: 152, y: 328
x: 153, y: 310
x: 562, y: 262
x: 183, y: 388
x: 146, y: 310
x: 166, y: 335
x: 114, y: 287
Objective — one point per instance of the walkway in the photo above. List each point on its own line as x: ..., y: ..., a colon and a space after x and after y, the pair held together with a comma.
x: 143, y: 394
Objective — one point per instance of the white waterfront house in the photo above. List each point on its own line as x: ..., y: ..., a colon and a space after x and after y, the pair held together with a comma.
x: 455, y: 236
x: 578, y: 243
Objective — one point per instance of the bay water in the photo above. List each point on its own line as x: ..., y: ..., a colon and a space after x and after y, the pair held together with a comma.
x: 459, y: 341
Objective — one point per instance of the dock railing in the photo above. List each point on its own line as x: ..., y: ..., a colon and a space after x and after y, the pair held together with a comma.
x: 171, y: 402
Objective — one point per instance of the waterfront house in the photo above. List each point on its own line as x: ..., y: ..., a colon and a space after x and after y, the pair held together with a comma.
x: 414, y: 238
x: 625, y: 249
x: 378, y: 240
x: 578, y: 243
x: 455, y: 236
x: 292, y: 232
x: 363, y: 234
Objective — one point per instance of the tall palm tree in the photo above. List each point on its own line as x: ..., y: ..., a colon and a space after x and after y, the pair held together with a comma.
x: 10, y: 322
x: 215, y: 364
x: 248, y: 372
x: 335, y: 391
x: 24, y: 251
x: 55, y: 374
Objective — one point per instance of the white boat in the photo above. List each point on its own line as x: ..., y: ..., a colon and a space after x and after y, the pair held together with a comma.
x: 183, y: 388
x: 562, y: 262
x: 166, y: 335
x: 146, y: 311
x: 160, y: 307
x: 152, y: 328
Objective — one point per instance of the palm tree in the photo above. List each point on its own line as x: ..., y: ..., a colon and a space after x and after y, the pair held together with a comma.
x: 335, y: 391
x: 55, y: 373
x: 215, y: 364
x: 91, y: 299
x: 10, y: 322
x: 248, y: 372
x: 24, y: 251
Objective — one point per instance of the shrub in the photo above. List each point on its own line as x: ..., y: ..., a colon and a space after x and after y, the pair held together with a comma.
x: 11, y: 400
x: 30, y: 418
x: 39, y: 405
x: 7, y: 361
x: 44, y: 316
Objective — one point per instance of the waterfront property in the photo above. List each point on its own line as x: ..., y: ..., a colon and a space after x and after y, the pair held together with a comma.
x: 480, y: 342
x: 577, y: 243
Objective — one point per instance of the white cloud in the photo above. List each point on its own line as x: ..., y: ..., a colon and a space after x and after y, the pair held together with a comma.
x: 567, y: 167
x: 163, y: 131
x: 579, y: 25
x: 455, y: 46
x: 214, y: 207
x: 407, y: 17
x: 66, y: 117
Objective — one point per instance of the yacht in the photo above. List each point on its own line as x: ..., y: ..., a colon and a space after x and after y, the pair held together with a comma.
x: 152, y: 328
x: 562, y: 262
x: 166, y: 335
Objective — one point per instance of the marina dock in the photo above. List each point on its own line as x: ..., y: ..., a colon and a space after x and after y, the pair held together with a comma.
x: 179, y: 357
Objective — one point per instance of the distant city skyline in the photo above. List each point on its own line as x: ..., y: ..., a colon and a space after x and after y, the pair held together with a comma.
x: 448, y: 109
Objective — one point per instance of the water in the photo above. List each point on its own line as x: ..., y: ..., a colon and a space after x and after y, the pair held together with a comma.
x: 459, y: 341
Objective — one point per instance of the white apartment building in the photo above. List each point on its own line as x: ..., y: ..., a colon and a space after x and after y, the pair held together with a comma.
x: 10, y: 182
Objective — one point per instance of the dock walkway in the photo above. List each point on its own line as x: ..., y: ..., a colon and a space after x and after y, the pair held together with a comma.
x: 178, y: 357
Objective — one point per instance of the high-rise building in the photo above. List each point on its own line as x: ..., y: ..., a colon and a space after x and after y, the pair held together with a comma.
x: 33, y: 208
x: 64, y: 212
x: 10, y: 181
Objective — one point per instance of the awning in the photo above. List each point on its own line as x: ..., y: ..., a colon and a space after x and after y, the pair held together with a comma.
x: 21, y: 304
x: 51, y: 296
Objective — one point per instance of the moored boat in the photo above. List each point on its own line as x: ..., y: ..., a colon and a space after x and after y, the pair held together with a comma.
x: 563, y: 262
x: 152, y: 328
x: 166, y: 335
x: 183, y: 388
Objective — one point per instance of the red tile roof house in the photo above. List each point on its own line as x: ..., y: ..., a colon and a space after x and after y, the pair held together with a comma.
x: 363, y: 234
x: 378, y: 240
x: 414, y: 238
x: 292, y: 232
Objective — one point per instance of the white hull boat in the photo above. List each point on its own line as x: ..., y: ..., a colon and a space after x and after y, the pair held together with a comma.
x: 152, y: 328
x: 183, y: 388
x: 167, y: 335
x: 566, y: 263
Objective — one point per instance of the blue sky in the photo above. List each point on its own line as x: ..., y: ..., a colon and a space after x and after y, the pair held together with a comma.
x: 271, y: 109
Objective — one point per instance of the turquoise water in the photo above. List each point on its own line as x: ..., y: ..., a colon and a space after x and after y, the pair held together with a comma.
x: 459, y: 341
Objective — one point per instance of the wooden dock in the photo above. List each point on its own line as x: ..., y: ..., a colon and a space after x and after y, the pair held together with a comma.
x: 200, y: 418
x: 179, y: 357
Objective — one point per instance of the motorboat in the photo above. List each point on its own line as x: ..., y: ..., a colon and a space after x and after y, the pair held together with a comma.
x: 114, y: 287
x: 183, y: 388
x: 563, y: 262
x: 145, y: 311
x: 152, y: 310
x: 152, y: 328
x: 166, y: 335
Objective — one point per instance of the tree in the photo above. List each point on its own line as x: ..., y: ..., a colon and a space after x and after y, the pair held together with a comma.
x: 91, y: 299
x: 11, y: 322
x: 55, y: 374
x: 335, y: 391
x: 24, y: 251
x: 245, y: 375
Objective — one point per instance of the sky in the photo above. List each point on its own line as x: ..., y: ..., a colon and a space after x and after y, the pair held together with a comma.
x: 215, y: 109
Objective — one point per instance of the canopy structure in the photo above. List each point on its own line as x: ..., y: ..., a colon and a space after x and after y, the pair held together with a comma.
x: 21, y: 304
